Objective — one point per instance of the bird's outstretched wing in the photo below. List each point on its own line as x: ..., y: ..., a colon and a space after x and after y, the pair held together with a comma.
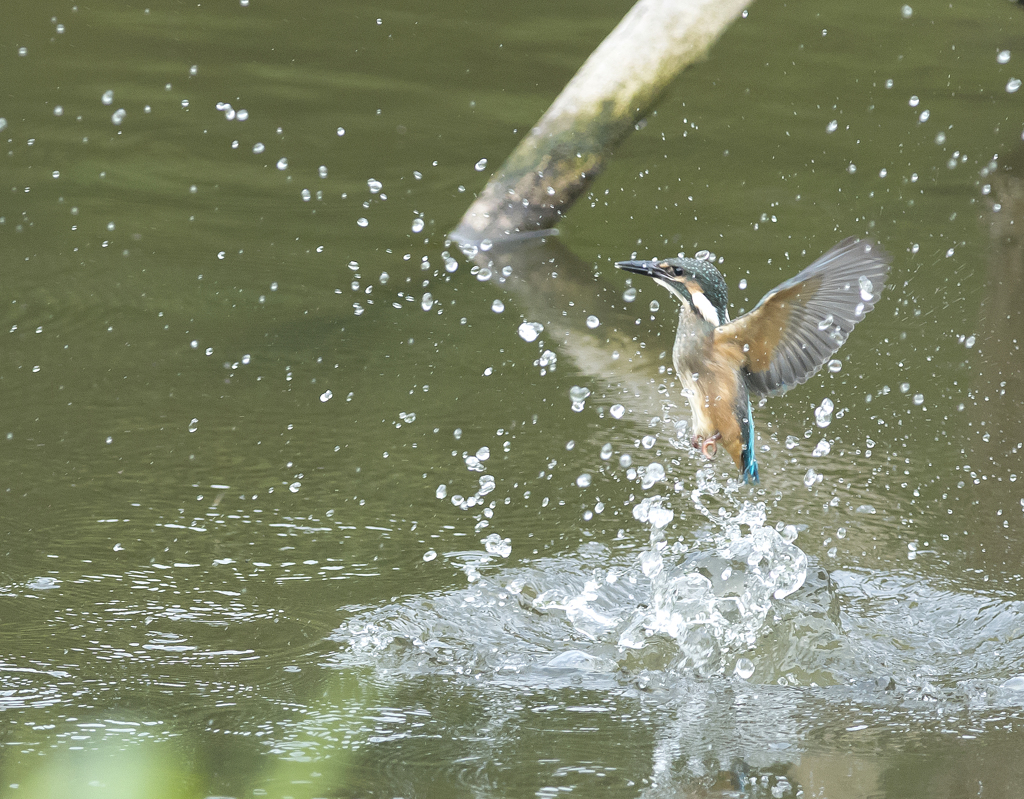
x: 795, y: 327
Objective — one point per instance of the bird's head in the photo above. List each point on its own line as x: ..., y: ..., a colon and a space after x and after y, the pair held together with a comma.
x: 695, y: 282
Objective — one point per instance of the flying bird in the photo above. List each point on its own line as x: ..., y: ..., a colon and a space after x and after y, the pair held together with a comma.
x: 782, y: 341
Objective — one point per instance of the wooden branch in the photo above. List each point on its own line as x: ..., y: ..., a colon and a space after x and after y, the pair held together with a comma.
x: 614, y: 88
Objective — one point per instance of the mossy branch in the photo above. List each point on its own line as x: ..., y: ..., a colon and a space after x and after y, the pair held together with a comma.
x: 612, y: 91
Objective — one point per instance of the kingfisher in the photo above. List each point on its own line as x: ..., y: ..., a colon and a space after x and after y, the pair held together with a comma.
x: 784, y: 340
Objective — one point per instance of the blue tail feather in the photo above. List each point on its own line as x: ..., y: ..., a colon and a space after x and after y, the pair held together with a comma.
x: 750, y: 473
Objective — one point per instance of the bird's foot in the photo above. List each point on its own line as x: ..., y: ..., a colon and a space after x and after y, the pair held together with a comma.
x: 709, y: 448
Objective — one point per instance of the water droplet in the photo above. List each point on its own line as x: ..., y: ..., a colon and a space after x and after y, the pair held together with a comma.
x: 578, y: 394
x: 442, y: 491
x: 374, y: 185
x: 625, y: 460
x: 617, y: 411
x: 483, y: 453
x: 193, y: 425
x: 743, y: 284
x: 326, y: 395
x: 427, y: 302
x: 823, y: 448
x: 108, y: 97
x: 654, y: 473
x: 497, y: 306
x: 583, y: 480
x: 914, y: 100
x: 429, y: 555
x: 655, y: 305
x: 592, y: 322
x: 1003, y: 57
x: 823, y: 413
x: 306, y: 195
x: 362, y: 221
x: 835, y: 365
x: 282, y: 163
x: 810, y: 478
x: 1012, y: 85
x: 826, y: 322
x: 529, y: 331
x: 907, y: 12
x: 744, y: 668
x: 919, y: 399
x: 496, y: 545
x: 832, y: 126
x: 417, y: 225
x: 969, y: 342
x: 118, y: 116
x: 792, y: 442
x: 294, y: 487
x: 606, y: 453
x: 546, y: 361
x: 480, y: 165
x: 258, y: 148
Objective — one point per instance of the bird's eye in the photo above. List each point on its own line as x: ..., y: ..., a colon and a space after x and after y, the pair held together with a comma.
x: 678, y: 270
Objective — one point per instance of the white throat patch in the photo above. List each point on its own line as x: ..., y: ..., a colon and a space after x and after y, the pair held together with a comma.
x: 705, y: 308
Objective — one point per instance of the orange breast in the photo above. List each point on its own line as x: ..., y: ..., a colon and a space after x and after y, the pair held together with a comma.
x: 713, y: 390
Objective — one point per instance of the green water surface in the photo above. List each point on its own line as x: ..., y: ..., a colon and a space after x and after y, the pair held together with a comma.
x: 248, y: 389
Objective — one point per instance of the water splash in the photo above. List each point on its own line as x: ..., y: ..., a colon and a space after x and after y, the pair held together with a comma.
x: 712, y: 602
x: 698, y: 598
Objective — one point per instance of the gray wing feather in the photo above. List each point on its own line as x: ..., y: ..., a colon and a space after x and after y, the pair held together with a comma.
x: 851, y: 277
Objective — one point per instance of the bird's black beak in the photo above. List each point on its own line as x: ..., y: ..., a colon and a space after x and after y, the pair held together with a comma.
x: 659, y: 271
x: 648, y: 268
